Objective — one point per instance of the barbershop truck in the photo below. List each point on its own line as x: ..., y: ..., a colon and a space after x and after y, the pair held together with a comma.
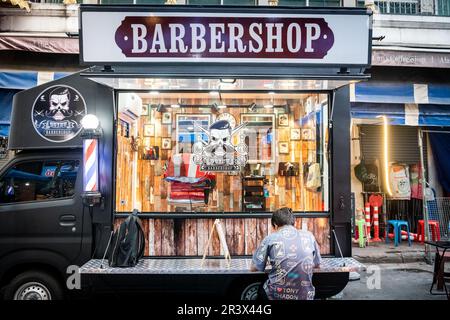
x: 200, y: 118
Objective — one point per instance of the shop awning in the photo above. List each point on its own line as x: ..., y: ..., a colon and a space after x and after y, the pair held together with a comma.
x: 12, y: 82
x: 39, y: 43
x: 22, y: 80
x: 403, y: 103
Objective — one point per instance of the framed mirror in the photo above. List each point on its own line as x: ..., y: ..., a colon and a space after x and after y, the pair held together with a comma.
x: 259, y: 137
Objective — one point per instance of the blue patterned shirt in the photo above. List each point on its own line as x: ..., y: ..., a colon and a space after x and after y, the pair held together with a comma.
x: 292, y: 254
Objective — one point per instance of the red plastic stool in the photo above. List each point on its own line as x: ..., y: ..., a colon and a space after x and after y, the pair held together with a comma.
x: 435, y: 233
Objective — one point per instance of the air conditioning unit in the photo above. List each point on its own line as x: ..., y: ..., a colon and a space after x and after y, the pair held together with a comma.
x: 130, y: 105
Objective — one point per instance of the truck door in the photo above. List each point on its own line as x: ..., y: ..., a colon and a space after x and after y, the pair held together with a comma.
x: 40, y: 207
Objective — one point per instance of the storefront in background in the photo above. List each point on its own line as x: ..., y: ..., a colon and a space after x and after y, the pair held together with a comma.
x: 414, y: 113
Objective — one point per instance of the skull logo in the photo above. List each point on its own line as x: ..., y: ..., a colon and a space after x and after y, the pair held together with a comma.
x: 219, y: 149
x: 59, y: 104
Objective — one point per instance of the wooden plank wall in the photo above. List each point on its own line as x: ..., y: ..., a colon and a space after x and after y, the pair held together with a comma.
x: 188, y: 237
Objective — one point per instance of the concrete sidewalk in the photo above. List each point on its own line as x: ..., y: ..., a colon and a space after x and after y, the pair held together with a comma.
x: 380, y: 252
x: 399, y: 281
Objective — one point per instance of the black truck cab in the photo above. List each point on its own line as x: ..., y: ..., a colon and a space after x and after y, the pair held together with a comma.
x: 43, y: 228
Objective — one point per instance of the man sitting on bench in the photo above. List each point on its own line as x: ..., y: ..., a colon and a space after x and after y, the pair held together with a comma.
x: 292, y: 254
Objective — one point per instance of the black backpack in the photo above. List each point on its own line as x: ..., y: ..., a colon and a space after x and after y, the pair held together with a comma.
x: 128, y: 243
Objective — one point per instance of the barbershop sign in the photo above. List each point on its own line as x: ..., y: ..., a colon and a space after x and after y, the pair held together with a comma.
x: 109, y: 37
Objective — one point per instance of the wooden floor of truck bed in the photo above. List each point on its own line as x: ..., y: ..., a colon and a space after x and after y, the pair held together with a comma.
x: 210, y: 266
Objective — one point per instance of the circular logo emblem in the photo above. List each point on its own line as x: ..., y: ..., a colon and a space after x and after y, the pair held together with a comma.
x: 57, y: 113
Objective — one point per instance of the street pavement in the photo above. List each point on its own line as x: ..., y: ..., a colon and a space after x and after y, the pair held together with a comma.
x: 398, y: 281
x: 381, y: 252
x: 402, y: 270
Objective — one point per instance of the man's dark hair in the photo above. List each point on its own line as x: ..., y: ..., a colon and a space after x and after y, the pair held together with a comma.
x: 282, y: 217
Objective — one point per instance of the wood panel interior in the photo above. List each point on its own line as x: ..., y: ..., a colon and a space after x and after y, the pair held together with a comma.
x: 141, y: 185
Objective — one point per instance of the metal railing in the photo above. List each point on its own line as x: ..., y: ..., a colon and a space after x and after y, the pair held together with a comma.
x: 412, y: 7
x: 439, y: 210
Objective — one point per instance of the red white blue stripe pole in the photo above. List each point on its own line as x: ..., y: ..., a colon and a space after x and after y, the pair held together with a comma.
x: 90, y: 158
x: 91, y: 133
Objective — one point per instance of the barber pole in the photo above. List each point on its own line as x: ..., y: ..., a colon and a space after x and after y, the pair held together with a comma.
x: 90, y: 158
x: 376, y: 227
x: 367, y: 213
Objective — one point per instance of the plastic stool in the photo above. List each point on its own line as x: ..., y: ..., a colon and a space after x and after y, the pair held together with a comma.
x: 397, y: 226
x: 361, y: 224
x: 435, y: 232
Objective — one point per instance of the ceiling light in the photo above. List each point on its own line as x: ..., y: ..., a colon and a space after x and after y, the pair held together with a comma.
x: 229, y: 81
x: 271, y: 92
x: 268, y: 106
x: 252, y: 106
x: 175, y: 106
x: 154, y: 93
x: 214, y: 93
x: 222, y: 106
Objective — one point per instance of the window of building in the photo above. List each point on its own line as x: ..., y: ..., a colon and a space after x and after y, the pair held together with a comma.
x: 443, y: 7
x: 133, y: 1
x: 396, y: 7
x: 39, y: 180
x: 227, y: 152
x: 117, y: 1
x: 311, y: 3
x: 297, y: 3
x: 223, y: 2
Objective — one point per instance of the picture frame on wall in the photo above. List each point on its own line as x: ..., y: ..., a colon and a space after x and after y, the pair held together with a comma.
x: 149, y: 130
x: 307, y: 134
x: 145, y: 110
x: 166, y: 143
x: 312, y: 156
x: 166, y: 118
x: 296, y: 134
x: 283, y: 147
x: 283, y: 120
x: 187, y: 134
x: 259, y: 136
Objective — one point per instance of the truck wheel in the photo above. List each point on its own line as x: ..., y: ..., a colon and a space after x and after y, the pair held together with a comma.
x: 34, y: 285
x: 245, y: 291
